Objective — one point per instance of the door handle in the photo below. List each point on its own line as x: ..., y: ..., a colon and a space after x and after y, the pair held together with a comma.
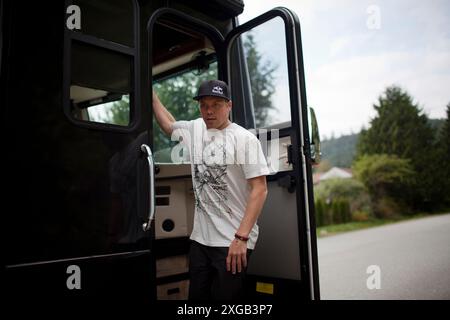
x: 151, y: 167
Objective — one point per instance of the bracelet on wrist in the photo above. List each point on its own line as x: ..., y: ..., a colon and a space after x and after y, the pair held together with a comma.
x: 239, y: 237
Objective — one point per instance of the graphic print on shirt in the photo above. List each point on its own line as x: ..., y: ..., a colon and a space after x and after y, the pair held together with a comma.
x: 211, y: 189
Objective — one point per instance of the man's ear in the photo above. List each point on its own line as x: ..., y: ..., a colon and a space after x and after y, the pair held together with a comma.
x: 230, y: 104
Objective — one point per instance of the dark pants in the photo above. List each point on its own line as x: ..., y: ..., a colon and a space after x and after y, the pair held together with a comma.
x: 209, y: 278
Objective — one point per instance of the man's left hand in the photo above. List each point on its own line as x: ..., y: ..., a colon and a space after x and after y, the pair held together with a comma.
x: 237, y: 256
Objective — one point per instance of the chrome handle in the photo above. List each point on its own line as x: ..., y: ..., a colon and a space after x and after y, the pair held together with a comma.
x: 151, y: 166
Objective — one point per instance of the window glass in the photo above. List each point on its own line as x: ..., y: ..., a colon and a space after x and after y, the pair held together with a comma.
x: 176, y: 94
x: 182, y: 59
x: 265, y: 51
x: 111, y: 112
x: 100, y: 89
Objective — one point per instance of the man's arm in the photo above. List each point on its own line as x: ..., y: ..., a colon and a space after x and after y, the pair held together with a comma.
x: 163, y: 117
x: 237, y: 253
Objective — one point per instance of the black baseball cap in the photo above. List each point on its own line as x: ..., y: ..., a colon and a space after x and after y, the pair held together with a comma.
x: 215, y: 88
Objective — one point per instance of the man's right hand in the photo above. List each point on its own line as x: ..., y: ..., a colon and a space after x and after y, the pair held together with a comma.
x: 163, y: 117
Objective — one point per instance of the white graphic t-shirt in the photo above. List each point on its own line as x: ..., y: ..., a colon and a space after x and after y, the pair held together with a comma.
x: 221, y: 163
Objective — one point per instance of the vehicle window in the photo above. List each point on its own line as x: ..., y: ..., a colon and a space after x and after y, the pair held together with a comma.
x: 100, y: 88
x: 182, y: 58
x: 176, y: 94
x: 117, y: 112
x: 266, y: 56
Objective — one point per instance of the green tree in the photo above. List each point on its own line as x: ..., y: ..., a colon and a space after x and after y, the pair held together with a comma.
x: 339, y: 152
x: 441, y: 163
x: 328, y: 213
x: 261, y: 81
x: 389, y: 180
x: 320, y: 211
x: 343, y: 210
x: 400, y: 128
x: 336, y: 211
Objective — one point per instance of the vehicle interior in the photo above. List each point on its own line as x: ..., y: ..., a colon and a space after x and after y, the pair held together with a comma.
x: 180, y: 55
x: 184, y: 59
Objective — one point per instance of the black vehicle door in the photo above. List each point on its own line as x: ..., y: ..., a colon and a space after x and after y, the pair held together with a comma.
x: 78, y: 178
x: 265, y: 55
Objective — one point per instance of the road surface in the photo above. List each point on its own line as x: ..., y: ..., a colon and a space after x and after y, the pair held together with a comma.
x: 413, y: 259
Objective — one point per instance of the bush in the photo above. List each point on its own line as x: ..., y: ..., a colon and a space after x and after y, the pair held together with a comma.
x: 339, y: 198
x: 346, y: 214
x: 340, y: 210
x: 320, y: 211
x: 389, y: 208
x: 360, y: 216
x: 339, y: 188
x: 328, y: 214
x: 336, y: 212
x: 389, y: 181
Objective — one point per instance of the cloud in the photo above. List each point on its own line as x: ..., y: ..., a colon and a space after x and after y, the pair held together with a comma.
x: 343, y: 92
x: 348, y: 66
x: 338, y: 45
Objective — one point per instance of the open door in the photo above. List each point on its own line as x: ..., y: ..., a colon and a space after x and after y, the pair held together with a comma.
x: 182, y: 52
x: 265, y: 56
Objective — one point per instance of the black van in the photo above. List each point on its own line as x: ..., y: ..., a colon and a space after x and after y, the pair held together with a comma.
x: 93, y: 205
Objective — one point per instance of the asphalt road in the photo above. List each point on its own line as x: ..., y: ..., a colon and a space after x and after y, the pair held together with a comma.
x: 413, y: 259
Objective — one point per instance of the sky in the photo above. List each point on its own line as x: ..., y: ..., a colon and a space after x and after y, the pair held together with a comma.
x: 354, y: 49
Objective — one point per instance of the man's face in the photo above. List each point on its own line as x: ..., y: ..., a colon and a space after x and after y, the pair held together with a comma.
x: 215, y: 112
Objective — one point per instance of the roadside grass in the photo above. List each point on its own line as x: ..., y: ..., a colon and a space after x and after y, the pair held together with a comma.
x: 334, y: 229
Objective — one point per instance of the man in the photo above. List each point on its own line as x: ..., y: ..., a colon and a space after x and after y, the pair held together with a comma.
x: 230, y: 190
